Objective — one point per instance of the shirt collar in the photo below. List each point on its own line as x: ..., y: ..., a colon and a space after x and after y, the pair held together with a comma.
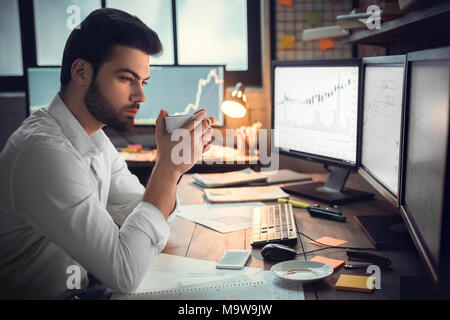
x: 74, y: 131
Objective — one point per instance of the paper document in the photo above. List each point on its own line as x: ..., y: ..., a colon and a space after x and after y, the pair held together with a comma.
x: 221, y: 217
x: 212, y: 180
x: 245, y: 194
x: 281, y: 176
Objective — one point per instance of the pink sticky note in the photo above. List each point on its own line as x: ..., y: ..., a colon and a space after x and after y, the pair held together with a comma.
x: 328, y: 241
x: 335, y: 264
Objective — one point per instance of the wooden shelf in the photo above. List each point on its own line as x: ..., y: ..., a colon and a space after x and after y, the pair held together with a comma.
x: 433, y: 21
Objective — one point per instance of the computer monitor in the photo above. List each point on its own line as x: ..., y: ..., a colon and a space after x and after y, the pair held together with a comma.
x: 383, y: 89
x: 177, y: 89
x: 43, y: 84
x: 183, y: 90
x: 425, y: 201
x: 316, y: 116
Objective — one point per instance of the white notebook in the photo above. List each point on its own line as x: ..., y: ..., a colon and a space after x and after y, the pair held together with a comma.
x: 237, y: 288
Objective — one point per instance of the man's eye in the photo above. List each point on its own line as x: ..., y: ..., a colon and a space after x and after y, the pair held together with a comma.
x: 126, y: 78
x: 144, y: 83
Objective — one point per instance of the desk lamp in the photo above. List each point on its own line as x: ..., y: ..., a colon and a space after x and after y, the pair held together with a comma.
x: 235, y: 106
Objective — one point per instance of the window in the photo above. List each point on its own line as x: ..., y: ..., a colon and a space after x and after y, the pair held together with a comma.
x: 11, y: 56
x: 213, y: 32
x: 193, y: 32
x: 54, y: 20
x: 157, y: 14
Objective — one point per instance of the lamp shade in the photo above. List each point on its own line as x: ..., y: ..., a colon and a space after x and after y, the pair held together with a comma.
x: 235, y: 105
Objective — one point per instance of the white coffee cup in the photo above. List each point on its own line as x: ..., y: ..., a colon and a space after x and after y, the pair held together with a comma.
x: 175, y: 122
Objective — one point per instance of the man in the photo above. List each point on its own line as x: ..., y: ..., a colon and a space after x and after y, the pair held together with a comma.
x: 63, y: 186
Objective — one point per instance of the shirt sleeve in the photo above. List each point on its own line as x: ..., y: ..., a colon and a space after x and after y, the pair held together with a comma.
x: 52, y: 191
x: 126, y: 191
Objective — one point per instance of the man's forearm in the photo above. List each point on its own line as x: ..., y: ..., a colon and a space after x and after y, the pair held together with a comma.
x: 161, y: 189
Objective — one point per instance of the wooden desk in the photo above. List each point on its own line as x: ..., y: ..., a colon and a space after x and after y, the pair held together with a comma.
x: 195, y: 241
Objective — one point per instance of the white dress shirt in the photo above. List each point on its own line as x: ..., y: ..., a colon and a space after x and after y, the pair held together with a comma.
x: 61, y: 195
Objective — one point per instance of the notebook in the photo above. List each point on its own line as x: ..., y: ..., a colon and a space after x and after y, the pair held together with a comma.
x: 240, y: 287
x: 213, y: 180
x: 243, y: 194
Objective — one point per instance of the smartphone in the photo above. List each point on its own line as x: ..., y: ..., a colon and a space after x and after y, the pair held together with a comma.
x: 233, y: 259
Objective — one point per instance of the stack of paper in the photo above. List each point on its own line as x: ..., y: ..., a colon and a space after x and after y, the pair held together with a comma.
x: 221, y: 217
x: 212, y: 180
x: 243, y: 194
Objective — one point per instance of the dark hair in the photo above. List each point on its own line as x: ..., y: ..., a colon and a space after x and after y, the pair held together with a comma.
x: 99, y: 32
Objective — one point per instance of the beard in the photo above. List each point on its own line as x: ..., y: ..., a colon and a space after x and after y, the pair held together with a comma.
x: 99, y: 106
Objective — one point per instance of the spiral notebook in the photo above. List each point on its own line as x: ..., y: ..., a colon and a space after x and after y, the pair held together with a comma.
x: 237, y: 288
x: 173, y: 278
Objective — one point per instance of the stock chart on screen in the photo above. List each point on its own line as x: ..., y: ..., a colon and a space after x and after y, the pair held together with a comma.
x: 316, y: 110
x: 177, y: 89
x: 183, y: 90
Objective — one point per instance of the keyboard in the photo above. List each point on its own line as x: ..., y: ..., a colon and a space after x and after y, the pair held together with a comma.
x: 273, y: 224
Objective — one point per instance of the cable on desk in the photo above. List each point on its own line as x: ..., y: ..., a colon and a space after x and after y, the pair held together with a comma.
x: 327, y: 246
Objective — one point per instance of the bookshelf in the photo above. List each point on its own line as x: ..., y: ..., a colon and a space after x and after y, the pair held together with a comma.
x: 415, y: 30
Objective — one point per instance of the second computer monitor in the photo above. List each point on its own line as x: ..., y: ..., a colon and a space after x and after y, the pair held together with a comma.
x: 383, y: 90
x: 177, y: 89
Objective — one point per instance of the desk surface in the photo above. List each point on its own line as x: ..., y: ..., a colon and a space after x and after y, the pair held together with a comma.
x: 195, y: 241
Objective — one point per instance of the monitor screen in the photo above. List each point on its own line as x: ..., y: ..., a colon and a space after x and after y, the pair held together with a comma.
x: 43, y: 84
x: 183, y: 90
x: 315, y: 110
x: 382, y: 123
x: 177, y: 89
x: 427, y: 152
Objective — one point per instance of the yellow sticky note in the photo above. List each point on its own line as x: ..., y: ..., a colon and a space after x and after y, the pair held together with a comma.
x: 286, y: 3
x: 288, y: 42
x: 328, y: 241
x: 334, y: 263
x: 326, y: 44
x: 355, y: 283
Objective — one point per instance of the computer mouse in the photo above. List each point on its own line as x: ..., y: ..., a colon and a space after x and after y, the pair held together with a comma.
x: 277, y: 252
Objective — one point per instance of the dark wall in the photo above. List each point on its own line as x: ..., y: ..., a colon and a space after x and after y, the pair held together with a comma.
x: 12, y: 114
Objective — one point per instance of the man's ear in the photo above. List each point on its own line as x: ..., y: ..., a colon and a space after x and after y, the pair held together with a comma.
x: 81, y: 72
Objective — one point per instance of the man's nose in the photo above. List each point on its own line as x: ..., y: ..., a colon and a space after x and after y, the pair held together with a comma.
x: 139, y: 94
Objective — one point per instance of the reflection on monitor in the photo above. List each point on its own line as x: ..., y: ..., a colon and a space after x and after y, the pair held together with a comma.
x: 179, y: 90
x: 426, y: 155
x: 183, y: 90
x: 382, y: 124
x: 316, y: 110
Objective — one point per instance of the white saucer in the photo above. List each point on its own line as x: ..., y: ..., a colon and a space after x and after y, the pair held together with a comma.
x: 306, y: 271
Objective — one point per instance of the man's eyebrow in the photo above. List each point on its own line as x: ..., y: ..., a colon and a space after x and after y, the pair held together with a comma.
x: 132, y: 72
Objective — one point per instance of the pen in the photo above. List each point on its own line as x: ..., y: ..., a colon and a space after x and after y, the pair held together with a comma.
x: 305, y: 205
x: 357, y: 266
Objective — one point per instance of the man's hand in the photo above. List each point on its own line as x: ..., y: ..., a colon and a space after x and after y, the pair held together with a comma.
x: 162, y: 185
x: 192, y: 140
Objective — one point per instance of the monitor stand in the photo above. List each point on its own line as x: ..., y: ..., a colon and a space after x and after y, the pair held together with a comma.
x: 332, y: 192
